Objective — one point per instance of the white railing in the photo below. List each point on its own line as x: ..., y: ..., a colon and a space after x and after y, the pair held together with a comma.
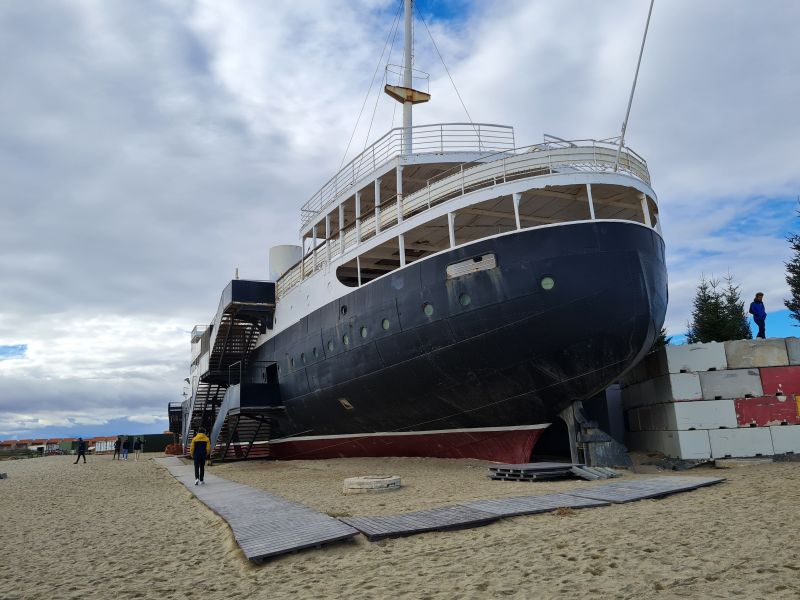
x: 490, y: 170
x: 426, y: 139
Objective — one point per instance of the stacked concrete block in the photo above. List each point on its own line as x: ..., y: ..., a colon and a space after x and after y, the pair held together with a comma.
x: 748, y: 402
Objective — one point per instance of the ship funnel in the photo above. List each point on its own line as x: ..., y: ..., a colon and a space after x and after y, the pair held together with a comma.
x: 282, y: 258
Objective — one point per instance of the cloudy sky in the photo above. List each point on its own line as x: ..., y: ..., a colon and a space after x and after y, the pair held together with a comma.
x: 149, y: 147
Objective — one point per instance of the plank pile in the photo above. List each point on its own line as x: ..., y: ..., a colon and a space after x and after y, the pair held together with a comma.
x: 548, y: 470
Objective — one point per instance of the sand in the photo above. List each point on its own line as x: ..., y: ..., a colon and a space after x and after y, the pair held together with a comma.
x: 108, y: 529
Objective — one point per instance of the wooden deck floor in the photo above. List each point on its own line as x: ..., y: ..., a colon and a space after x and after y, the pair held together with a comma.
x: 263, y: 524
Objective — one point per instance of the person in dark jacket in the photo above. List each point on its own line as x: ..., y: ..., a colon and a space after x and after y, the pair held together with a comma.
x: 137, y: 448
x: 759, y: 314
x: 117, y: 444
x: 126, y: 447
x: 199, y: 451
x: 81, y: 451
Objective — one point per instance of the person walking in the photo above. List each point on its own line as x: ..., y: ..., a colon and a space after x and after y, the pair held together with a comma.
x: 81, y: 451
x: 759, y: 314
x: 199, y: 451
x: 126, y: 447
x: 137, y: 448
x: 117, y: 444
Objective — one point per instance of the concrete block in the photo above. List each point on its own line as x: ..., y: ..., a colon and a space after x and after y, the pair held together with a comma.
x: 751, y: 441
x: 747, y: 354
x: 785, y: 439
x: 780, y: 380
x: 691, y: 358
x: 677, y: 444
x: 731, y: 383
x: 767, y: 410
x: 667, y: 388
x: 793, y: 350
x: 710, y: 414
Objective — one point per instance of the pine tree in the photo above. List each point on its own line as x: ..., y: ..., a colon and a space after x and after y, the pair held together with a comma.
x: 736, y: 325
x: 717, y: 314
x: 793, y: 277
x: 661, y: 340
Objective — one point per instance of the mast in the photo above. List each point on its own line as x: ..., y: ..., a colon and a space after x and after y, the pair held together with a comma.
x: 407, y: 79
x: 405, y: 93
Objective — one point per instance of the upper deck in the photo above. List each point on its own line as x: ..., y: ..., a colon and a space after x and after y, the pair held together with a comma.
x: 461, y: 141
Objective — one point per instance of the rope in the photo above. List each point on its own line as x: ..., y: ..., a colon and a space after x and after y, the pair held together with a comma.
x: 369, y: 89
x: 395, y: 27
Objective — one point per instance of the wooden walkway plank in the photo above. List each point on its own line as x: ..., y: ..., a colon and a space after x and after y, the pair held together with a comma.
x: 436, y: 519
x: 643, y: 489
x: 528, y: 505
x: 263, y: 524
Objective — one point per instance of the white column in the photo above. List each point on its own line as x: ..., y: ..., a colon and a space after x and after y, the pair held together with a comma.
x: 451, y: 229
x: 515, y: 198
x: 645, y: 210
x: 591, y: 200
x: 341, y: 228
x: 358, y: 217
x: 303, y: 260
x: 314, y: 248
x: 407, y: 78
x: 401, y: 241
x: 358, y: 268
x: 377, y: 206
x: 399, y: 194
x: 328, y: 237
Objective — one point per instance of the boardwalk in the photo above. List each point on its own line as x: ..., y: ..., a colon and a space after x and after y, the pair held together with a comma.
x: 263, y: 524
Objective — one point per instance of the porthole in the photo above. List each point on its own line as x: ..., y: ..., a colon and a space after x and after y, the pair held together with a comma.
x: 427, y: 308
x: 548, y: 283
x: 291, y: 362
x: 343, y: 310
x: 363, y: 332
x: 303, y: 357
x: 385, y: 324
x: 314, y: 352
x: 346, y: 339
x: 464, y: 299
x: 330, y: 345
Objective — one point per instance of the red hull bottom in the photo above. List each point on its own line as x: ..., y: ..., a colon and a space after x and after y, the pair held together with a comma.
x: 513, y: 445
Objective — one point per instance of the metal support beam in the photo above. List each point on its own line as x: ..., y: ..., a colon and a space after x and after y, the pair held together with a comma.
x: 358, y: 268
x: 399, y: 194
x: 358, y: 217
x: 515, y: 198
x: 328, y: 238
x: 645, y: 209
x: 377, y: 206
x: 341, y: 228
x: 591, y: 200
x: 401, y: 240
x: 451, y: 228
x: 314, y: 249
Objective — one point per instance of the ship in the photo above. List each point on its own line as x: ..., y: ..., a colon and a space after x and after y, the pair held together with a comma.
x: 452, y: 294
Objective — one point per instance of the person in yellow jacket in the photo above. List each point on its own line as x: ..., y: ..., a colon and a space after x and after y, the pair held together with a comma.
x: 199, y: 451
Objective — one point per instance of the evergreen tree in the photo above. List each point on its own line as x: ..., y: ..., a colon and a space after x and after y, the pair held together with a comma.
x: 735, y: 318
x: 793, y: 277
x: 717, y: 314
x: 661, y: 340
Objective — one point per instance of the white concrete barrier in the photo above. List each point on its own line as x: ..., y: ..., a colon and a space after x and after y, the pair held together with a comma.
x: 684, y: 416
x: 793, y: 350
x: 785, y: 438
x: 738, y: 443
x: 677, y: 444
x: 731, y: 383
x: 667, y: 388
x: 691, y: 358
x: 746, y: 354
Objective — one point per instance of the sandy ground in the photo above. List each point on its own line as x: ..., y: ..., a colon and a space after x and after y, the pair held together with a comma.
x: 108, y: 529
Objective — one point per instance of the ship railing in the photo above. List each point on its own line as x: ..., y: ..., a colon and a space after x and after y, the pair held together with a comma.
x: 487, y: 171
x: 426, y: 139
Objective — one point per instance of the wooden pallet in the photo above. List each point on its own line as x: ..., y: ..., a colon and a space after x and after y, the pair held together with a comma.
x: 546, y: 471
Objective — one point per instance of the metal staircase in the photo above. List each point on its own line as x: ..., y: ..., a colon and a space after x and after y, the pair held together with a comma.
x: 221, y: 351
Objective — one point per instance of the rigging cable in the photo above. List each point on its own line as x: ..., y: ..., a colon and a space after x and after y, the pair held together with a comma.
x: 633, y: 88
x: 447, y: 70
x: 380, y: 60
x: 385, y: 79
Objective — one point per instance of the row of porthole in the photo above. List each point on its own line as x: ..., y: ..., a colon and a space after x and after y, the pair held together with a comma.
x: 547, y: 284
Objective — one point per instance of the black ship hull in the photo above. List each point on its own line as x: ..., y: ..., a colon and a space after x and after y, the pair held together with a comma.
x: 419, y: 363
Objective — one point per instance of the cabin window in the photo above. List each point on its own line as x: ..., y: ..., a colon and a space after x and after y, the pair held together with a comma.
x: 303, y: 357
x: 330, y: 345
x: 547, y: 283
x: 427, y: 308
x: 385, y: 324
x: 363, y: 332
x: 291, y: 362
x: 314, y: 352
